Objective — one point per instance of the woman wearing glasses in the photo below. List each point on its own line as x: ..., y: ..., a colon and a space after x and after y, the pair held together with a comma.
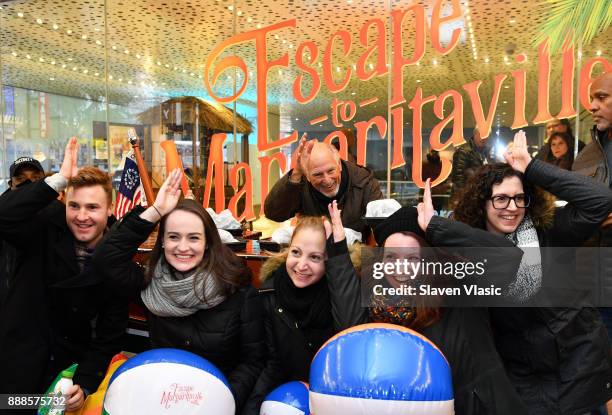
x: 557, y: 358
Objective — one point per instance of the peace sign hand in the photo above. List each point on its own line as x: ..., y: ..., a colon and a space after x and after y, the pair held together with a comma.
x: 425, y: 208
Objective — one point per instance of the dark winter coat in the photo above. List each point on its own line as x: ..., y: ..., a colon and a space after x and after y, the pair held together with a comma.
x: 557, y: 358
x: 230, y: 335
x: 591, y: 161
x: 286, y: 198
x: 480, y: 383
x: 289, y: 352
x: 52, y: 309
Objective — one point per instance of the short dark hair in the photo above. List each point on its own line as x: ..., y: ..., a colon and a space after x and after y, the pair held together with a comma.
x: 92, y: 176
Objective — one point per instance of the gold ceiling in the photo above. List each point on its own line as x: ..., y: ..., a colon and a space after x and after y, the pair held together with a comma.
x: 157, y: 49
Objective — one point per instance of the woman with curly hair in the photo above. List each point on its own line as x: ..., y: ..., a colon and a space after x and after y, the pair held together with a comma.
x: 557, y: 358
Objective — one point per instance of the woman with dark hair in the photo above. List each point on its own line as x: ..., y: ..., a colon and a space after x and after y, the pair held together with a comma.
x: 560, y: 151
x: 196, y: 291
x: 558, y: 358
x: 480, y: 384
x: 306, y: 296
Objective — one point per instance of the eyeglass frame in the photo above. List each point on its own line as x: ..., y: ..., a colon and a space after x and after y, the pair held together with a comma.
x: 512, y: 198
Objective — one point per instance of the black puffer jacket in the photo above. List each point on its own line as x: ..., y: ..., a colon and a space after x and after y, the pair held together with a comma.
x: 558, y: 358
x: 230, y: 335
x: 53, y: 309
x: 289, y: 352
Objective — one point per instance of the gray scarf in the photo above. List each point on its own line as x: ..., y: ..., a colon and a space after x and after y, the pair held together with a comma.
x: 529, y: 277
x: 172, y: 294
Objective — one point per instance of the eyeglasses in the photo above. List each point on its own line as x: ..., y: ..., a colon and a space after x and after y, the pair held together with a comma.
x: 503, y: 201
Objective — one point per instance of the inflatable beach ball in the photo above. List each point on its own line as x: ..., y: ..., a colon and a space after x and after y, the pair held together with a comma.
x: 168, y: 381
x: 288, y: 399
x: 380, y: 369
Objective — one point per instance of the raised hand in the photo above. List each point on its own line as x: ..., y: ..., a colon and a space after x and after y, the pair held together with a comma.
x: 169, y: 193
x: 517, y: 155
x: 336, y: 221
x: 69, y: 166
x: 298, y: 172
x: 304, y: 159
x: 425, y: 208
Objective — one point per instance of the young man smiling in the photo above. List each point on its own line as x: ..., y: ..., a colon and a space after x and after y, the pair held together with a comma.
x: 62, y: 312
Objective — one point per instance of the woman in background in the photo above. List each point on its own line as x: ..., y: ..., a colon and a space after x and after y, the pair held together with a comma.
x: 560, y: 151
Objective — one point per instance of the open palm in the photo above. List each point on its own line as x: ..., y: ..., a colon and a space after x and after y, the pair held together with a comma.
x: 169, y: 194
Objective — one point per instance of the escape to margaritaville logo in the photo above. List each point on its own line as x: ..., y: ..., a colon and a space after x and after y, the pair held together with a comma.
x: 375, y: 61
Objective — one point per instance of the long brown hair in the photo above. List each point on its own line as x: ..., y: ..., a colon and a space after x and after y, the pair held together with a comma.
x: 229, y: 271
x: 472, y: 200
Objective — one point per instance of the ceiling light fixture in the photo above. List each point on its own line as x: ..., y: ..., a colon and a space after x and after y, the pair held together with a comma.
x: 39, y: 21
x: 55, y: 26
x: 20, y: 14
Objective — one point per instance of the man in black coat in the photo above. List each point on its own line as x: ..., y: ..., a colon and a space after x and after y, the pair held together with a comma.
x: 59, y: 311
x: 23, y: 170
x: 319, y: 177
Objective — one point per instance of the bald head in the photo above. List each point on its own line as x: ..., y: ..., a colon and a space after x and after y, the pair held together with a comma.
x: 324, y: 169
x: 601, y: 101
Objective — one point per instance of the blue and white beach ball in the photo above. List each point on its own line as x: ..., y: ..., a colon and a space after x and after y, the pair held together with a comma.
x: 168, y: 381
x: 380, y: 369
x: 288, y: 399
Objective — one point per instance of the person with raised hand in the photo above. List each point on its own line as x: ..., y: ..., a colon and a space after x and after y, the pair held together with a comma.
x: 480, y: 384
x: 304, y: 293
x: 59, y: 311
x: 318, y: 178
x: 195, y: 290
x: 557, y: 358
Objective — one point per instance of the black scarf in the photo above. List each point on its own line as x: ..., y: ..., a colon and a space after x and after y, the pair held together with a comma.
x: 311, y: 306
x: 324, y: 200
